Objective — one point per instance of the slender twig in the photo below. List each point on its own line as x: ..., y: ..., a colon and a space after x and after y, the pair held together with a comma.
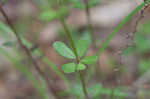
x: 117, y: 29
x: 76, y: 54
x: 27, y: 51
x: 83, y: 84
x: 69, y: 37
x: 139, y: 18
x: 131, y: 36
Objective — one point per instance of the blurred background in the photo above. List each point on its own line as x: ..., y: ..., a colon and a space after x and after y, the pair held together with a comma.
x: 122, y: 71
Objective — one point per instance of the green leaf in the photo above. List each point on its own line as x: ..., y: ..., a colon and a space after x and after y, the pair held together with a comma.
x: 119, y: 93
x: 63, y: 12
x: 53, y: 3
x: 129, y: 50
x: 5, y: 31
x: 98, y: 90
x: 116, y: 92
x: 89, y: 60
x: 10, y: 43
x: 95, y: 90
x: 48, y: 15
x: 63, y: 50
x: 144, y: 66
x: 144, y: 28
x: 82, y: 47
x: 77, y: 91
x: 26, y: 43
x: 86, y: 36
x: 81, y: 66
x: 93, y: 3
x: 79, y: 4
x: 69, y: 67
x: 142, y: 43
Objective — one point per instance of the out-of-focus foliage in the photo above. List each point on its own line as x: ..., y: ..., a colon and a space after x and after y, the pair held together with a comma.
x: 5, y: 32
x: 9, y: 43
x: 4, y: 1
x: 50, y: 15
x: 144, y: 66
x: 82, y: 47
x: 16, y: 62
x: 129, y: 50
x: 144, y: 28
x: 80, y: 4
x: 77, y: 35
x: 97, y: 90
x: 89, y: 60
x: 142, y: 41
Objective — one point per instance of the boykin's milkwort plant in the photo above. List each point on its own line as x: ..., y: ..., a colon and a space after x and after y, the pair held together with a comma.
x: 76, y: 51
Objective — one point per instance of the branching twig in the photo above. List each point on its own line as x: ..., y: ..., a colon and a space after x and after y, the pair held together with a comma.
x: 143, y: 79
x: 131, y: 35
x: 138, y: 20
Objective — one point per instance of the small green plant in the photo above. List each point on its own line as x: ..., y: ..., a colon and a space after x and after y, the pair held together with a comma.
x: 79, y: 63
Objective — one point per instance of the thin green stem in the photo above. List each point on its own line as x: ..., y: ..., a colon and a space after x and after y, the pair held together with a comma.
x: 89, y: 22
x: 83, y: 84
x: 68, y: 33
x: 69, y: 37
x: 112, y: 96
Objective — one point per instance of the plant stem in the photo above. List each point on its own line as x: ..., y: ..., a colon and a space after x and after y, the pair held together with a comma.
x: 83, y: 85
x: 89, y: 22
x: 112, y: 96
x: 27, y: 51
x: 69, y: 37
x: 76, y: 54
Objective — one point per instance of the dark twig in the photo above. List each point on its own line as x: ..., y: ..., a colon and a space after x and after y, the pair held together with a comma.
x: 138, y: 20
x: 131, y: 35
x: 27, y: 51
